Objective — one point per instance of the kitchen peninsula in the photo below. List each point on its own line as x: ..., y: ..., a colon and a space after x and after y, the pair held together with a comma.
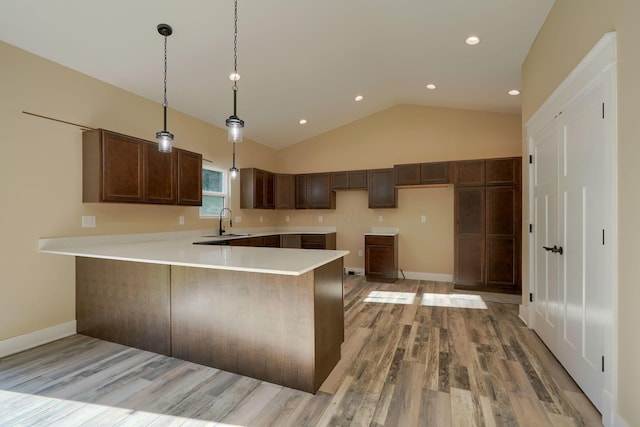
x: 269, y: 313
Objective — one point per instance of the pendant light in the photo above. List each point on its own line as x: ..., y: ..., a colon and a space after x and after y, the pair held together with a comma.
x: 234, y: 123
x: 234, y: 170
x: 165, y: 138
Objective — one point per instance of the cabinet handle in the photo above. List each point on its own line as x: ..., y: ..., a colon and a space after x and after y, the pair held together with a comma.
x: 555, y: 249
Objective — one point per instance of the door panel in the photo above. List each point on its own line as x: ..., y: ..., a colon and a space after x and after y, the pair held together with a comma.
x: 545, y: 232
x: 581, y: 341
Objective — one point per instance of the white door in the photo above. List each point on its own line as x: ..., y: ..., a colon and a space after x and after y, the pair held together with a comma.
x: 570, y: 213
x: 546, y: 302
x: 583, y: 212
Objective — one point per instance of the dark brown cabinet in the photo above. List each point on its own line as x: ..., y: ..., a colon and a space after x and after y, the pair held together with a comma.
x: 381, y: 258
x: 350, y: 180
x: 469, y: 172
x: 382, y: 190
x: 314, y: 191
x: 318, y: 241
x: 422, y: 173
x: 160, y: 183
x: 435, y: 173
x: 189, y: 178
x: 257, y: 189
x: 120, y: 168
x: 488, y: 225
x: 285, y: 191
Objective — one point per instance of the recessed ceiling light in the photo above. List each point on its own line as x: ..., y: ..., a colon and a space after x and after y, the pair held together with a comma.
x: 514, y: 92
x: 431, y: 86
x: 472, y: 40
x: 359, y: 98
x: 234, y: 77
x: 303, y: 121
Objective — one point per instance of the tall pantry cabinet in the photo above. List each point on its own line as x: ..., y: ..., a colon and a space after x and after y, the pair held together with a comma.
x: 487, y: 227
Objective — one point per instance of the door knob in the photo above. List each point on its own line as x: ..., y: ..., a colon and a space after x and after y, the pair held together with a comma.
x: 555, y: 249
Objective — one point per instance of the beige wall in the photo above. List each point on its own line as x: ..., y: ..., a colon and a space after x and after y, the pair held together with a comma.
x: 40, y: 180
x: 571, y: 30
x: 401, y: 134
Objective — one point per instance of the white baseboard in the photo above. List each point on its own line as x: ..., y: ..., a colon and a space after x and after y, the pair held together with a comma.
x: 36, y: 338
x: 523, y: 314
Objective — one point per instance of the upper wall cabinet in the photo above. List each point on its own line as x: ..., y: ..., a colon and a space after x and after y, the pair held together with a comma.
x: 189, y: 172
x: 469, y: 172
x: 120, y: 168
x: 285, y: 191
x: 257, y: 189
x: 422, y: 173
x: 314, y: 191
x: 350, y: 180
x: 382, y: 190
x: 504, y: 171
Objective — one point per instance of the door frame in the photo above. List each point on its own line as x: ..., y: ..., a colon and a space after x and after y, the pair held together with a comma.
x: 598, y: 65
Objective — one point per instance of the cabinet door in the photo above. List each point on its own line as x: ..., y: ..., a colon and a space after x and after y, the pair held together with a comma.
x: 469, y: 245
x: 435, y: 173
x: 121, y: 168
x: 407, y: 174
x: 469, y: 172
x: 358, y: 180
x: 381, y: 257
x: 285, y: 191
x: 319, y: 191
x: 503, y: 237
x: 259, y: 183
x: 503, y: 171
x: 301, y: 191
x: 340, y: 180
x: 382, y: 191
x: 269, y: 191
x: 313, y: 241
x: 159, y: 175
x: 248, y: 241
x: 189, y: 178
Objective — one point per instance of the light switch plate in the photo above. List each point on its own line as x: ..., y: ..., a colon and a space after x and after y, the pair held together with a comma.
x: 181, y: 220
x: 423, y: 218
x: 286, y: 218
x: 320, y: 218
x: 380, y: 218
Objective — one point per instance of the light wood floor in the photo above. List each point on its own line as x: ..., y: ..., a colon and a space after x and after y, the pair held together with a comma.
x: 403, y: 364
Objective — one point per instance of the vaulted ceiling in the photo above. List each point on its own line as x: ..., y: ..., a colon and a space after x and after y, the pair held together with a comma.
x: 298, y: 58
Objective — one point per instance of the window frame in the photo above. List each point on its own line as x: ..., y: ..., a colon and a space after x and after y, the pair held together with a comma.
x: 224, y: 193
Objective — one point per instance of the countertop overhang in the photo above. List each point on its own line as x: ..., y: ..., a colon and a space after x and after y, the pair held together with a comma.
x: 178, y: 249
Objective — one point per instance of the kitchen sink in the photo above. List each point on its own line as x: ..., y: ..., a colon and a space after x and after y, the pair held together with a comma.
x: 230, y: 235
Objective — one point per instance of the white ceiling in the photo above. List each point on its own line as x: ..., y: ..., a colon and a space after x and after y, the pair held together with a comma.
x: 298, y: 58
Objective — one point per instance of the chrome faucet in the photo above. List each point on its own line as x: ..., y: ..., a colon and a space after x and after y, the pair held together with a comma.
x: 221, y: 228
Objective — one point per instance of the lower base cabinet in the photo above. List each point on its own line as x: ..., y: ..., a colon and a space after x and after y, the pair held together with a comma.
x: 283, y: 329
x: 381, y: 258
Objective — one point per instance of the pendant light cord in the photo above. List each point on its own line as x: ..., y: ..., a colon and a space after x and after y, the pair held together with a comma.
x: 164, y: 103
x: 235, y: 57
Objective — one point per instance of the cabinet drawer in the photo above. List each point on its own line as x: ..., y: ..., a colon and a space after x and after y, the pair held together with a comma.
x: 379, y: 240
x: 313, y: 238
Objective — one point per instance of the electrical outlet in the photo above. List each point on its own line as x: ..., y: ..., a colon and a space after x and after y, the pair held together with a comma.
x: 261, y: 219
x: 359, y: 252
x: 238, y: 219
x: 88, y: 221
x: 181, y: 220
x: 320, y: 219
x: 286, y: 218
x: 380, y: 219
x: 423, y: 218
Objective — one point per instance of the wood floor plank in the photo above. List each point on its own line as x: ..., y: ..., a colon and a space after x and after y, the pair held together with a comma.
x: 404, y: 409
x: 422, y: 365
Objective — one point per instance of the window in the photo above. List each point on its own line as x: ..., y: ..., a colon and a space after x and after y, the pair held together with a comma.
x: 214, y: 191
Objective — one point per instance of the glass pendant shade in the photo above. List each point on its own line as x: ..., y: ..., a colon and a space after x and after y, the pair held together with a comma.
x: 164, y: 139
x: 234, y: 172
x: 234, y: 127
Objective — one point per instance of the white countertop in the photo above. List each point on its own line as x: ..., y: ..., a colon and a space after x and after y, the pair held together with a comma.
x: 178, y: 249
